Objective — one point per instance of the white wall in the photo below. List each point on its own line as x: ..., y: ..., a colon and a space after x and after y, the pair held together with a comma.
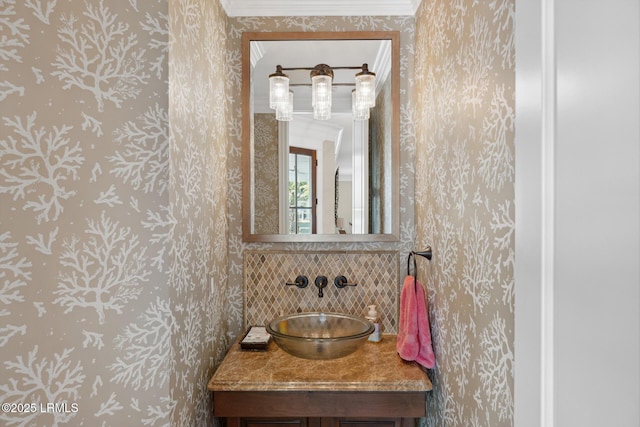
x: 326, y: 204
x: 578, y: 213
x: 345, y: 202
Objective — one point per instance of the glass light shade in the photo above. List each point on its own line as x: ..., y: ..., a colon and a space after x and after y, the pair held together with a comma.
x: 322, y: 112
x: 366, y: 88
x: 321, y: 97
x: 284, y: 113
x: 278, y: 88
x: 321, y: 90
x: 359, y: 112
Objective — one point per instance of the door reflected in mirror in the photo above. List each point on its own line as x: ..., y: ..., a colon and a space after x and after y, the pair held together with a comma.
x: 309, y: 177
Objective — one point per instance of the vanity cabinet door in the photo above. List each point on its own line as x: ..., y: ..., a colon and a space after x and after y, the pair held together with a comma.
x: 274, y: 422
x: 320, y: 422
x: 370, y: 422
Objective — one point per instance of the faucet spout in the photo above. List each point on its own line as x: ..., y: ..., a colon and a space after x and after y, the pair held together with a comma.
x: 321, y: 283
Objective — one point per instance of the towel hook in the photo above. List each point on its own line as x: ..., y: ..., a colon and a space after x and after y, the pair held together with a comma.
x: 427, y: 253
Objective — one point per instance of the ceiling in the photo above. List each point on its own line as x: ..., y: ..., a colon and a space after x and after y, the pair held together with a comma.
x: 320, y: 7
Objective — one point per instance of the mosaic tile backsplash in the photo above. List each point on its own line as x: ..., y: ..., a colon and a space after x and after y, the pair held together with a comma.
x: 267, y: 296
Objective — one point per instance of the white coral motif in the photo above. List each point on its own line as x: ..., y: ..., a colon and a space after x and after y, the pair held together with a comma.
x: 103, y: 270
x: 496, y: 367
x: 41, y: 381
x: 93, y: 339
x: 144, y: 160
x: 41, y: 11
x: 478, y: 62
x: 109, y: 407
x: 34, y: 165
x: 159, y: 414
x: 109, y: 197
x: 8, y: 88
x: 146, y: 344
x: 100, y: 56
x: 162, y: 224
x: 92, y: 124
x: 497, y: 158
x: 158, y: 28
x: 477, y: 271
x: 42, y: 246
x: 461, y: 356
x: 503, y: 18
x: 14, y: 34
x: 14, y: 274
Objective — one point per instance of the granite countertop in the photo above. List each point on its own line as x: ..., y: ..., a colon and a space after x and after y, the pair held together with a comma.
x: 373, y: 367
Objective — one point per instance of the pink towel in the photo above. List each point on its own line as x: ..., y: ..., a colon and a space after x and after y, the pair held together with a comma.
x: 414, y: 334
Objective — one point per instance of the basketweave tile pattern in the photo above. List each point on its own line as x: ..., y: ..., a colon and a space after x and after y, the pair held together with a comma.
x: 266, y: 295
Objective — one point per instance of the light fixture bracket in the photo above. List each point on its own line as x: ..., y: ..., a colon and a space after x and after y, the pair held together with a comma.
x: 278, y: 72
x: 365, y: 71
x: 322, y: 70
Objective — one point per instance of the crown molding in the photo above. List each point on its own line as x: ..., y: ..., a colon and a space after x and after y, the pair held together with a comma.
x: 256, y: 52
x: 382, y: 65
x: 320, y: 7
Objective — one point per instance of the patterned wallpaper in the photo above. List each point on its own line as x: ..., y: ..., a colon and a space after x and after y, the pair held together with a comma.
x: 465, y: 90
x: 266, y: 173
x: 113, y: 267
x: 380, y: 158
x: 121, y: 253
x: 84, y: 200
x: 200, y: 303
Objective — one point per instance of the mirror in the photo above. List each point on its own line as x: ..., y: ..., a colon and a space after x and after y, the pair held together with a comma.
x: 329, y: 180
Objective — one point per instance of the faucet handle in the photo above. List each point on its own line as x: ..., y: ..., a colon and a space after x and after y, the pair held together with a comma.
x: 321, y: 283
x: 300, y: 282
x: 341, y: 282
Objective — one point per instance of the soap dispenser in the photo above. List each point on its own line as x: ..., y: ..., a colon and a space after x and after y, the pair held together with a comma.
x: 372, y: 316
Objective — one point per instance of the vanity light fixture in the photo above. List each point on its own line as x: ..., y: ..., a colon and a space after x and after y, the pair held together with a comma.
x: 363, y: 97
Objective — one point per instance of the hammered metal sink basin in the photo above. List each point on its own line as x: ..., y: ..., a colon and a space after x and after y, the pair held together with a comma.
x: 320, y: 335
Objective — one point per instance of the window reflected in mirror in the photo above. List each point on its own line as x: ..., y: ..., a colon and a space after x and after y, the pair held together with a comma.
x: 302, y: 194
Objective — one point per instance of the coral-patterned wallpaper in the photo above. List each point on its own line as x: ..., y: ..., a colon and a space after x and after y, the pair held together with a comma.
x: 120, y: 237
x: 84, y: 212
x: 113, y: 265
x: 199, y: 115
x: 266, y: 174
x: 465, y: 99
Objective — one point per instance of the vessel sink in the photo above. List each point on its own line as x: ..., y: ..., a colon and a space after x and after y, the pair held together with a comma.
x: 320, y: 335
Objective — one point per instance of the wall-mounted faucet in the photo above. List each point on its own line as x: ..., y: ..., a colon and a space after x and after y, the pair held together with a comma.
x: 300, y: 282
x: 341, y: 282
x: 321, y: 283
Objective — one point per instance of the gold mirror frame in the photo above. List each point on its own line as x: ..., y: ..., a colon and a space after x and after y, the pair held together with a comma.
x: 247, y: 205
